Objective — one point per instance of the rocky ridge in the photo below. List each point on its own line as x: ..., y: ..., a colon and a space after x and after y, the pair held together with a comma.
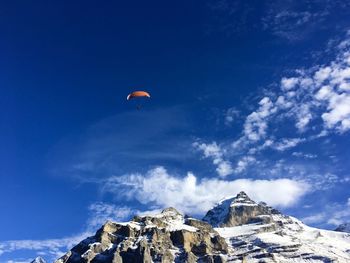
x: 237, y: 229
x: 38, y: 260
x: 343, y: 228
x: 239, y: 210
x: 166, y: 237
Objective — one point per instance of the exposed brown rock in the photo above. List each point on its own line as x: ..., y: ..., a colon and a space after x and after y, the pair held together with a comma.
x: 162, y: 238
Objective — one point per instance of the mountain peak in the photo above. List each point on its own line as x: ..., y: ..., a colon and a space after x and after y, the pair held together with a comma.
x: 242, y: 199
x: 170, y: 211
x: 343, y: 228
x: 246, y: 232
x: 163, y: 237
x: 239, y: 210
x: 38, y: 260
x: 242, y: 194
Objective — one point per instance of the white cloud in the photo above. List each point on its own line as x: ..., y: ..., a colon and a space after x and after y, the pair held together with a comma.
x: 224, y: 168
x: 338, y: 115
x: 255, y: 125
x: 332, y: 214
x: 281, y: 145
x: 322, y: 74
x: 101, y: 212
x: 287, y: 143
x: 305, y: 155
x: 20, y: 260
x: 324, y: 92
x: 243, y: 163
x: 230, y: 115
x: 289, y: 83
x: 316, y: 101
x: 52, y: 246
x: 282, y: 103
x: 215, y: 152
x: 303, y: 116
x: 314, y: 219
x: 339, y: 215
x: 319, y: 95
x: 105, y: 147
x: 194, y: 196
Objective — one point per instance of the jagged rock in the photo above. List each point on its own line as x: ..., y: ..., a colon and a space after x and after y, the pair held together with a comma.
x: 239, y: 210
x: 259, y: 233
x: 38, y: 260
x: 245, y: 231
x: 166, y: 237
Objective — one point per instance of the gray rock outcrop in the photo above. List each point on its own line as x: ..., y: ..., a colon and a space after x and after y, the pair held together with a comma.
x: 166, y: 237
x: 239, y: 210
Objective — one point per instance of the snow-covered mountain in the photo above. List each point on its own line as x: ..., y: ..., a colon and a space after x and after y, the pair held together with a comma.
x: 166, y: 237
x: 343, y: 228
x: 38, y: 260
x: 236, y: 230
x: 239, y: 210
x: 258, y: 233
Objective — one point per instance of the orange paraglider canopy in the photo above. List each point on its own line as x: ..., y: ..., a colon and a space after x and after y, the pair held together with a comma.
x: 137, y: 94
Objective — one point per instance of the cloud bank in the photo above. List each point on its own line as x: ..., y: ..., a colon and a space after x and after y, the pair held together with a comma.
x: 194, y: 196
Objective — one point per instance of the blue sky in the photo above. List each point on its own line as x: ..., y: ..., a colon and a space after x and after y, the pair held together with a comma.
x: 245, y: 96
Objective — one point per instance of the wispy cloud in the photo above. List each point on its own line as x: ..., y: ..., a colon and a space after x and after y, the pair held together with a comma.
x: 231, y: 115
x: 101, y: 212
x: 108, y: 146
x: 215, y: 152
x: 255, y: 125
x: 243, y: 163
x: 295, y: 21
x: 309, y: 104
x: 289, y: 20
x: 304, y: 155
x: 54, y: 248
x: 332, y: 214
x: 287, y: 143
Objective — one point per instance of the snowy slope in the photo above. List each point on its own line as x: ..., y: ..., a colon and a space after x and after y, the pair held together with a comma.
x: 256, y: 232
x: 244, y: 231
x: 292, y: 241
x: 38, y: 260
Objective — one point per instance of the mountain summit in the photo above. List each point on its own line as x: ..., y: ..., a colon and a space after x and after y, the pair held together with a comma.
x: 165, y: 237
x: 239, y: 210
x: 38, y: 260
x: 236, y: 229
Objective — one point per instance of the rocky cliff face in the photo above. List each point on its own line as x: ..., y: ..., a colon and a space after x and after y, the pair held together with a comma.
x: 244, y: 231
x: 239, y: 210
x: 38, y: 260
x: 167, y: 237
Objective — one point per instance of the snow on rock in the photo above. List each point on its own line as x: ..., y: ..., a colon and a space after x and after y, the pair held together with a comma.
x: 278, y: 238
x: 244, y: 231
x: 165, y: 237
x: 292, y: 241
x: 343, y: 228
x: 38, y: 260
x: 238, y: 210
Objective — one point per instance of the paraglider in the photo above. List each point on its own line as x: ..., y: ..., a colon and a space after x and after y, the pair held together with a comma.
x: 138, y: 95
